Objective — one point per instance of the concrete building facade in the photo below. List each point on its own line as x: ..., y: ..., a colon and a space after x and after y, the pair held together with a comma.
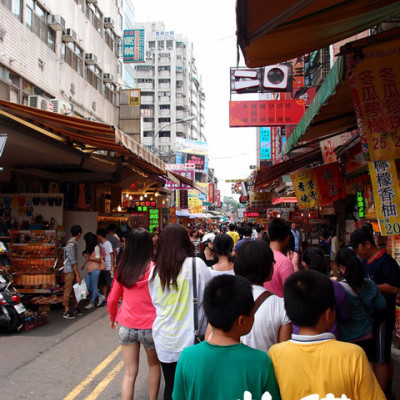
x: 171, y: 90
x: 67, y: 51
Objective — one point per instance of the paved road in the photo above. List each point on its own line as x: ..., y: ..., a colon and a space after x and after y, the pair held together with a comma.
x: 66, y: 360
x: 75, y: 360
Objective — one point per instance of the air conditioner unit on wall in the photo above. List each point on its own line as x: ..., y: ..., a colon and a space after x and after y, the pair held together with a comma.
x: 276, y: 77
x: 90, y: 58
x: 57, y: 23
x: 69, y: 35
x: 62, y: 107
x: 107, y: 77
x: 108, y: 22
x: 40, y: 103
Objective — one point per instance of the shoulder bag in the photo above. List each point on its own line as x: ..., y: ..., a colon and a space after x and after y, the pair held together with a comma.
x: 197, y: 337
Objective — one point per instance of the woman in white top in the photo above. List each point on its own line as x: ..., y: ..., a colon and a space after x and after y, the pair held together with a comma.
x: 254, y: 261
x: 223, y: 246
x: 171, y: 291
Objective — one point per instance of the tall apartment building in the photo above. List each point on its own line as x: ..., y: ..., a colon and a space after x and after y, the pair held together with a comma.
x: 171, y: 90
x: 62, y: 55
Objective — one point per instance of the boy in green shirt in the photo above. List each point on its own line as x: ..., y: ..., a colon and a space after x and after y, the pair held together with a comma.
x: 222, y: 368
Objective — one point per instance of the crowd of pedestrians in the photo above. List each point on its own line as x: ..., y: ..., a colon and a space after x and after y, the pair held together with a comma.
x: 222, y: 313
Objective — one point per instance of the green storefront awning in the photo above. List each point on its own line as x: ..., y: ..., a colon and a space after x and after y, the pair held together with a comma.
x: 330, y: 112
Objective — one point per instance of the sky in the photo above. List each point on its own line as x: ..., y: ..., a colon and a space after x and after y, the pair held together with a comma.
x: 211, y: 25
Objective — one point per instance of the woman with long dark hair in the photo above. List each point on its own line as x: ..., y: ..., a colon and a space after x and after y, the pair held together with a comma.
x: 93, y: 263
x: 136, y: 313
x: 365, y: 301
x: 223, y: 245
x: 171, y: 290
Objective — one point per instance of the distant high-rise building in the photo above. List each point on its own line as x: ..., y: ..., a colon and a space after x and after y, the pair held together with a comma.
x: 171, y: 91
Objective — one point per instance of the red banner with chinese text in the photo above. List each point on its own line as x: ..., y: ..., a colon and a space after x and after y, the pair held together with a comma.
x: 374, y: 76
x: 319, y: 186
x: 265, y: 113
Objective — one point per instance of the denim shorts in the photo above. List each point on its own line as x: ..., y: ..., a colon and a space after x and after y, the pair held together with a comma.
x: 131, y: 336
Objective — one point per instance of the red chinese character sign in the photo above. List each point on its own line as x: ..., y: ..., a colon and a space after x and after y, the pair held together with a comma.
x: 385, y: 184
x: 319, y: 186
x: 265, y: 113
x: 374, y: 76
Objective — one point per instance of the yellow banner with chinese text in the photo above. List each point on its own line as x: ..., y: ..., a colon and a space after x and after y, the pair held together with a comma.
x: 385, y: 185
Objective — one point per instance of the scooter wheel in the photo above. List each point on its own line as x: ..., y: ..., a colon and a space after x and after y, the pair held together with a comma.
x: 15, y: 323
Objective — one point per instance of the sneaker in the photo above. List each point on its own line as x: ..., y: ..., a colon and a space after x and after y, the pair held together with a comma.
x: 90, y: 305
x: 100, y: 300
x: 104, y: 303
x: 68, y: 315
x: 77, y: 311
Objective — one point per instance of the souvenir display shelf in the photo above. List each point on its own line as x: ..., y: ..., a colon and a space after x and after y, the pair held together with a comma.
x: 33, y: 255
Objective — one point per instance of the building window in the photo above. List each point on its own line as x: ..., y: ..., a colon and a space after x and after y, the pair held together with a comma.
x: 165, y: 134
x: 72, y: 54
x: 120, y: 22
x: 94, y: 15
x: 80, y: 4
x: 36, y: 19
x: 111, y: 40
x: 14, y: 6
x: 93, y: 75
x: 110, y: 92
x: 120, y: 68
x: 164, y: 120
x: 152, y: 45
x: 170, y: 44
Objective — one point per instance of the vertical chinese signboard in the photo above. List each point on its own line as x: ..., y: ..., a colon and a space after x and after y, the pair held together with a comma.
x: 134, y: 97
x: 374, y: 76
x: 218, y: 195
x: 265, y: 143
x: 319, y: 186
x: 133, y: 46
x: 154, y: 219
x: 385, y: 185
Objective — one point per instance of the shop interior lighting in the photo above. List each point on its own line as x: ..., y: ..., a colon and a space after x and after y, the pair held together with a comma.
x: 141, y: 198
x: 119, y: 209
x: 145, y: 195
x: 127, y: 195
x: 130, y: 197
x: 156, y: 194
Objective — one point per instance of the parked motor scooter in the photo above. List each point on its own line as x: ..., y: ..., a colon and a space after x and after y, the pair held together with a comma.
x: 12, y: 311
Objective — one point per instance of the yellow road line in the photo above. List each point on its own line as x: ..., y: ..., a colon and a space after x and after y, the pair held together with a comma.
x: 75, y: 392
x: 104, y: 383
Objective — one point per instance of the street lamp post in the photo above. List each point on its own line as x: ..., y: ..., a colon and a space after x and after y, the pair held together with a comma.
x: 187, y: 119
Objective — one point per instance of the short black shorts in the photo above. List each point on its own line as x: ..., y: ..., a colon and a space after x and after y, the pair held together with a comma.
x: 105, y: 279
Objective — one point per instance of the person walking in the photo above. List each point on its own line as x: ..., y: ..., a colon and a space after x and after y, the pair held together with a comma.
x: 233, y: 234
x: 107, y: 253
x: 93, y: 264
x: 384, y: 271
x: 297, y: 238
x: 136, y: 313
x: 171, y: 286
x: 71, y: 273
x: 195, y: 239
x: 223, y: 245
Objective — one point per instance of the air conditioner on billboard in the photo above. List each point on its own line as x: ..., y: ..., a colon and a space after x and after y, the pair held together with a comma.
x: 90, y: 58
x: 62, y: 107
x: 40, y: 103
x: 57, y: 23
x: 276, y: 77
x: 69, y: 35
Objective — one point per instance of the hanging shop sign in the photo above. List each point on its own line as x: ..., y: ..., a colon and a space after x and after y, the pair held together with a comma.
x: 385, y: 185
x: 154, y: 219
x: 328, y: 146
x: 185, y: 170
x: 396, y: 249
x: 211, y: 198
x: 360, y: 204
x: 375, y: 81
x: 134, y: 97
x: 265, y: 143
x: 218, y: 197
x: 319, y: 186
x: 265, y: 113
x: 133, y: 46
x: 251, y: 214
x: 274, y: 78
x: 196, y: 209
